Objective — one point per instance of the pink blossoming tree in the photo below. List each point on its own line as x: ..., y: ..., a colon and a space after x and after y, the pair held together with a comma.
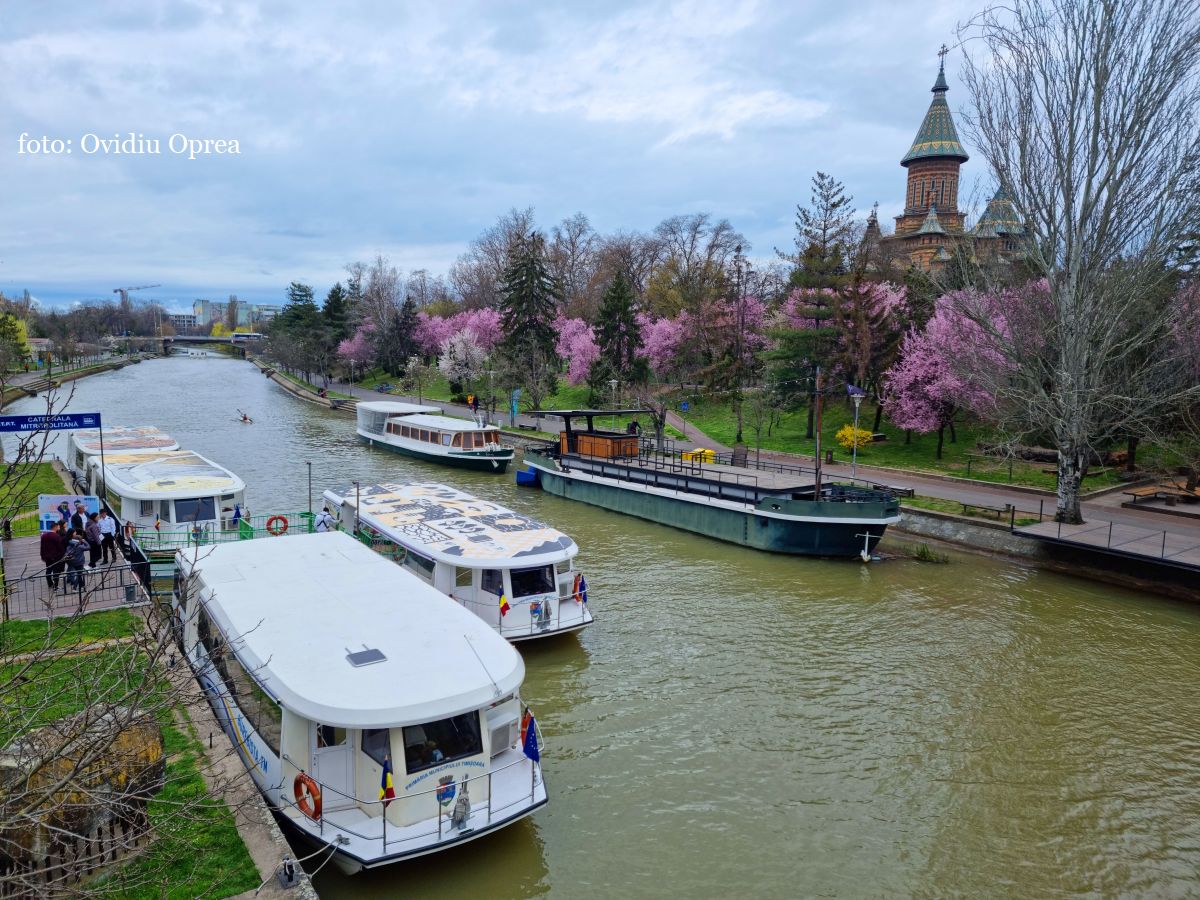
x: 576, y: 344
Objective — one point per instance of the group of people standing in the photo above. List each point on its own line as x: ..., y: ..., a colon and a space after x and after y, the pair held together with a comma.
x: 75, y: 535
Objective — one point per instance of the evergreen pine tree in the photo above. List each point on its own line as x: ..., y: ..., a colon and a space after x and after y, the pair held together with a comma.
x: 618, y: 335
x: 335, y: 312
x: 398, y: 342
x: 824, y: 235
x: 528, y: 304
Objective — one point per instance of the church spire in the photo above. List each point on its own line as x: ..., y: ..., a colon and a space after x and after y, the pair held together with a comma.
x: 937, y: 137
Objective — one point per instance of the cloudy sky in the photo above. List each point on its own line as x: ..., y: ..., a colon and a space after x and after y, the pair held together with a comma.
x: 406, y: 128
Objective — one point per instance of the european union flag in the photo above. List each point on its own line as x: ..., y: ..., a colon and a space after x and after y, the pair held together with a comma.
x: 531, y: 742
x: 583, y: 589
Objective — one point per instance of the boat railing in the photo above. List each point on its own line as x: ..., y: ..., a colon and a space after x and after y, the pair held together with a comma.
x: 180, y: 537
x: 378, y: 808
x: 666, y: 473
x: 536, y: 624
x: 650, y: 449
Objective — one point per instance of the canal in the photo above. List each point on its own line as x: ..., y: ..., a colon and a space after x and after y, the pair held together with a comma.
x: 737, y: 723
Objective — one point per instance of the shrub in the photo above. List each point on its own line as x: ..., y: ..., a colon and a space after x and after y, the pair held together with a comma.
x: 848, y: 436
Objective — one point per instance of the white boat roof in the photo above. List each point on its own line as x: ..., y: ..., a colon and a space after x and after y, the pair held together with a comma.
x: 450, y: 526
x: 395, y: 408
x: 122, y: 439
x: 447, y: 424
x: 167, y: 473
x: 295, y: 607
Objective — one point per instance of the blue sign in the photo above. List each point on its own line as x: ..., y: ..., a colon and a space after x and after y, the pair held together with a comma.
x: 684, y: 406
x: 57, y: 422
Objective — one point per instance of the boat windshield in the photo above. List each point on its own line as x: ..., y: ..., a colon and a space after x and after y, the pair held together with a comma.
x: 434, y: 743
x: 202, y: 509
x: 532, y: 581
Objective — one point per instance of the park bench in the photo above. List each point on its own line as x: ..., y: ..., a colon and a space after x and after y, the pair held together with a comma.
x: 1000, y: 511
x: 1169, y: 492
x: 897, y: 491
x: 524, y: 427
x: 877, y: 437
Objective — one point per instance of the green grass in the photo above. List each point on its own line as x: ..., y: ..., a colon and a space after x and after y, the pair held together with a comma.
x: 19, y: 489
x: 24, y: 636
x: 194, y: 854
x: 716, y: 419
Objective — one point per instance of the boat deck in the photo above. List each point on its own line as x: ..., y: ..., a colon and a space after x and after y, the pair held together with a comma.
x: 739, y: 484
x: 514, y: 794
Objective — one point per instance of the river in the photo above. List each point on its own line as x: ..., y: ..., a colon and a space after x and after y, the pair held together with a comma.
x: 738, y: 723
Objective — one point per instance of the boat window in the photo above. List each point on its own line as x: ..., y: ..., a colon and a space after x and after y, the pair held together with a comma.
x: 331, y: 736
x: 563, y: 566
x: 445, y: 440
x: 457, y: 440
x: 403, y: 431
x: 377, y: 743
x: 493, y: 437
x: 424, y: 434
x: 492, y: 581
x: 147, y: 508
x: 199, y: 510
x: 532, y: 581
x: 435, y: 743
x: 463, y: 577
x: 419, y: 564
x: 479, y: 441
x: 164, y: 510
x: 256, y: 706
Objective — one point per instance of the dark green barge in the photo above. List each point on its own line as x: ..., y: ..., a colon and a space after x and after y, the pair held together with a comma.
x: 763, y: 510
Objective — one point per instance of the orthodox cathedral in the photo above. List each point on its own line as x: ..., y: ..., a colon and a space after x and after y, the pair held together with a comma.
x: 932, y: 225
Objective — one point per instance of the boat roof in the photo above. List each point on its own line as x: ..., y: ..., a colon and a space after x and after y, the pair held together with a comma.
x: 450, y: 526
x: 448, y: 423
x: 122, y: 439
x: 167, y: 473
x: 295, y: 607
x: 395, y: 408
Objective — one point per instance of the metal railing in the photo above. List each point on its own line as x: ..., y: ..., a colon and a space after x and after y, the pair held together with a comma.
x: 176, y: 537
x: 33, y: 595
x: 490, y: 810
x: 536, y: 625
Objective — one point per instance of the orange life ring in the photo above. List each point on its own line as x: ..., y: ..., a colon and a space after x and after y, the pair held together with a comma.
x: 308, y: 796
x: 277, y: 525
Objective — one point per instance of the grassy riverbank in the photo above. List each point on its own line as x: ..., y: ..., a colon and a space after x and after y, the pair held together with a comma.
x: 193, y: 846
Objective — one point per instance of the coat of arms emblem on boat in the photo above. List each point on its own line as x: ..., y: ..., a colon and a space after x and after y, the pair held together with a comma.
x: 445, y: 790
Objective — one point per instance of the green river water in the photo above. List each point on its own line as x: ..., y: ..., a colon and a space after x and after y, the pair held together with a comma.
x: 742, y: 724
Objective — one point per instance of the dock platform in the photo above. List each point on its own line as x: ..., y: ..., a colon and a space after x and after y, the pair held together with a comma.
x: 1176, y: 549
x: 27, y: 595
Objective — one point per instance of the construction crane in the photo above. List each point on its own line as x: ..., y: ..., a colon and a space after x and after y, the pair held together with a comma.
x: 124, y: 292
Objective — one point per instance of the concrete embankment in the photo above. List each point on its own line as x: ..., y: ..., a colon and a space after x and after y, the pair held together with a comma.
x: 995, y: 538
x: 336, y: 404
x: 40, y: 385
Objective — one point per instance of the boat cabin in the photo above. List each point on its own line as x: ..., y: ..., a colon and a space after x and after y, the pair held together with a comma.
x: 82, y: 445
x: 179, y: 490
x: 321, y: 695
x: 473, y: 550
x: 374, y: 415
x: 592, y: 441
x: 448, y: 433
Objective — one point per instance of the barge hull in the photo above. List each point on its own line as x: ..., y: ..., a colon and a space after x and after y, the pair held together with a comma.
x: 746, y: 528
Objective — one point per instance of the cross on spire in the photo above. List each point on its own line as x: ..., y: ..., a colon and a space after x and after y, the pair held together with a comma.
x: 942, y: 55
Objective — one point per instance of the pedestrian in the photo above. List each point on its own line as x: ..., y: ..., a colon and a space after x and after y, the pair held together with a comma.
x: 50, y: 548
x: 91, y: 533
x: 108, y: 537
x: 325, y: 521
x: 79, y: 518
x: 76, y: 545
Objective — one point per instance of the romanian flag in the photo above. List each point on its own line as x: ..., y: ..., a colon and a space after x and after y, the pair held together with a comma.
x: 504, y: 607
x: 387, y: 791
x: 581, y: 590
x: 157, y: 524
x: 526, y: 717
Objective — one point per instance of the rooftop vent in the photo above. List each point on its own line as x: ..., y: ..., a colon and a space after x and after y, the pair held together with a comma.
x: 365, y: 657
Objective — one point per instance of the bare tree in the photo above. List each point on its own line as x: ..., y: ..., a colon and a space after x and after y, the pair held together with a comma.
x: 697, y: 253
x: 477, y: 274
x: 630, y: 253
x: 1086, y: 112
x: 571, y: 258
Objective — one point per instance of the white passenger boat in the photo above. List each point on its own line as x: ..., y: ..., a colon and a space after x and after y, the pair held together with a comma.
x: 86, y: 443
x: 328, y: 665
x: 422, y: 432
x: 515, y: 573
x: 169, y: 493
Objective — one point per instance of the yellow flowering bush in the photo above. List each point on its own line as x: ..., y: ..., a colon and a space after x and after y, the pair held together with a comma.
x: 848, y: 436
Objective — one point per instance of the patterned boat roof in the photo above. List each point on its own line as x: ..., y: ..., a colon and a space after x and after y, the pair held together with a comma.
x: 123, y: 438
x: 168, y: 473
x: 937, y: 136
x: 451, y: 526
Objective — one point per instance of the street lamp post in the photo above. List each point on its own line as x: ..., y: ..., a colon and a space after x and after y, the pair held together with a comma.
x: 614, y: 383
x: 857, y: 397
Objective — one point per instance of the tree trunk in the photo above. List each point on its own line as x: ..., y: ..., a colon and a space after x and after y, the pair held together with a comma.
x: 737, y: 406
x: 878, y: 417
x: 941, y: 437
x: 908, y: 435
x: 953, y: 435
x: 1131, y: 446
x: 1072, y: 462
x: 808, y: 434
